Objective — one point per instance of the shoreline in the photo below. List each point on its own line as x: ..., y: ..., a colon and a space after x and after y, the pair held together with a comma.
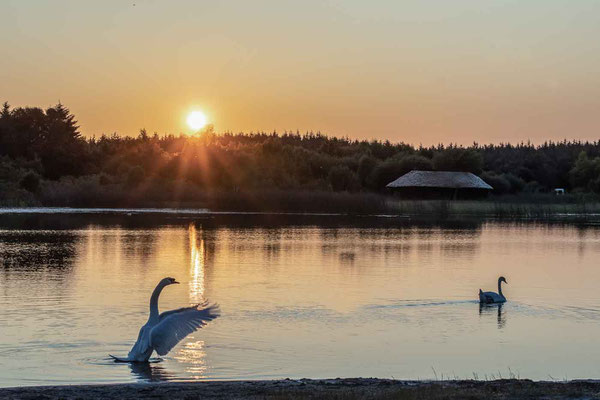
x: 533, y: 206
x: 347, y: 388
x: 431, y: 210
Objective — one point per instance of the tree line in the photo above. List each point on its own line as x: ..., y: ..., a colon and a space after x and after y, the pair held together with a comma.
x: 44, y: 159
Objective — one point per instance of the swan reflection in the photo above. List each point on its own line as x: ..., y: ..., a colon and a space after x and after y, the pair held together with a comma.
x: 150, y: 372
x: 494, y: 308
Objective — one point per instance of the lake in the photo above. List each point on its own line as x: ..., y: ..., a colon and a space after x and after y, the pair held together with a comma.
x: 316, y: 296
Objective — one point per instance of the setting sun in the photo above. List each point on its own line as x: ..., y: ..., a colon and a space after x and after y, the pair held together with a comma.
x: 196, y: 120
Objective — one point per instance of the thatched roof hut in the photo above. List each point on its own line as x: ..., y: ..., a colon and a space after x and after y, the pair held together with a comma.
x: 440, y: 184
x: 440, y: 179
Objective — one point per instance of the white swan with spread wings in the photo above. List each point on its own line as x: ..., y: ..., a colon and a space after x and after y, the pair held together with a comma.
x: 163, y: 331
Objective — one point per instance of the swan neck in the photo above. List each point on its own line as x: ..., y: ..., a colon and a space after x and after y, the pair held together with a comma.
x: 154, y: 300
x: 500, y: 287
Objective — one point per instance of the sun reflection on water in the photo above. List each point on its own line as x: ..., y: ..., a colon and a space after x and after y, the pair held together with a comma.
x: 196, y: 265
x: 194, y: 356
x: 192, y: 353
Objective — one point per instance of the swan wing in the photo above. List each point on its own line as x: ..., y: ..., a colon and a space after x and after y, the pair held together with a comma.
x: 141, y: 346
x: 165, y: 314
x: 490, y: 297
x: 175, y: 325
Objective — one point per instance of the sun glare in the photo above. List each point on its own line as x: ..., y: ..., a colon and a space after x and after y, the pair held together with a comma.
x: 196, y: 120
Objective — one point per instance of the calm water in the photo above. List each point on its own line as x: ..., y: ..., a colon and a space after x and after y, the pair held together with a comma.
x: 319, y: 296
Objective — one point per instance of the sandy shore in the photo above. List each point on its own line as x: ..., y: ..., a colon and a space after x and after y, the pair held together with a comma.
x: 359, y: 388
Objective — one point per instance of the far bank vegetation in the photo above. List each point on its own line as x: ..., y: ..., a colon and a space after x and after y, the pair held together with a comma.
x: 44, y: 160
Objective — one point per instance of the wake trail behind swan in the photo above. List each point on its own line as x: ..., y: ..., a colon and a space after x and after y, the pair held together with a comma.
x: 420, y: 303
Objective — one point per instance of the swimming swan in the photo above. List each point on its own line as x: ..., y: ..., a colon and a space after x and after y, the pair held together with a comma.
x: 163, y: 331
x: 491, y: 297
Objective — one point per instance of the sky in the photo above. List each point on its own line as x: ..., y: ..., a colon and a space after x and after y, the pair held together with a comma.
x: 422, y: 72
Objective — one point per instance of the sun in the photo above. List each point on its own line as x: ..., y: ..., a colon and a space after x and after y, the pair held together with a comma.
x: 196, y: 120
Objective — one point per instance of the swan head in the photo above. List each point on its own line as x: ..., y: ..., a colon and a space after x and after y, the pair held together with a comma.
x: 502, y: 279
x: 169, y: 281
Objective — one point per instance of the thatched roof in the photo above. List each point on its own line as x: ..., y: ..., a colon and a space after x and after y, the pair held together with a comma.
x: 440, y: 179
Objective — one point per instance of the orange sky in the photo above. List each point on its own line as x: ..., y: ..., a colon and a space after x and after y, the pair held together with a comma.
x: 415, y: 71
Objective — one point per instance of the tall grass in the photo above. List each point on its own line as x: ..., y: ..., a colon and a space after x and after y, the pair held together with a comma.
x: 89, y: 191
x: 525, y: 206
x: 492, y: 209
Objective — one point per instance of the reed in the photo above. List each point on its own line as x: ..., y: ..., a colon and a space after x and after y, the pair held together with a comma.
x: 91, y: 192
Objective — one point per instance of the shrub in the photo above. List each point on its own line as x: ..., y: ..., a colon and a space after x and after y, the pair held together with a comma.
x: 30, y: 182
x: 341, y: 178
x: 135, y: 175
x: 500, y: 184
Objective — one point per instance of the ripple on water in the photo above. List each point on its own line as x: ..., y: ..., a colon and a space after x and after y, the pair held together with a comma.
x: 307, y: 298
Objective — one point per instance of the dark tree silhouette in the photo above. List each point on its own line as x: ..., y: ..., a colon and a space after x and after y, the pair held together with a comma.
x: 44, y: 157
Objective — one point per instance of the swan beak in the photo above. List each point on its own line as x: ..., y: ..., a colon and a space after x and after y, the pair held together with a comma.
x: 176, y: 282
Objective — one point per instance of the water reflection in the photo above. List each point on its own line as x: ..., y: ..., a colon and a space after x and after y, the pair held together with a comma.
x: 194, y: 356
x: 150, y: 372
x: 191, y: 353
x: 197, y: 263
x: 37, y: 262
x: 301, y: 297
x: 347, y: 257
x: 491, y: 309
x: 33, y: 251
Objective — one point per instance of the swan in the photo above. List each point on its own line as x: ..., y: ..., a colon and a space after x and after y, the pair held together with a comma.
x: 163, y: 331
x: 491, y: 297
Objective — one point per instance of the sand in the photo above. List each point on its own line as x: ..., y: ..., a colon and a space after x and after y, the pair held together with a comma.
x: 359, y: 388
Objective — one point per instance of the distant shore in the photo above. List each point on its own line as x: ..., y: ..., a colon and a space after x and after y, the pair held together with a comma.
x: 351, y: 388
x: 540, y: 206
